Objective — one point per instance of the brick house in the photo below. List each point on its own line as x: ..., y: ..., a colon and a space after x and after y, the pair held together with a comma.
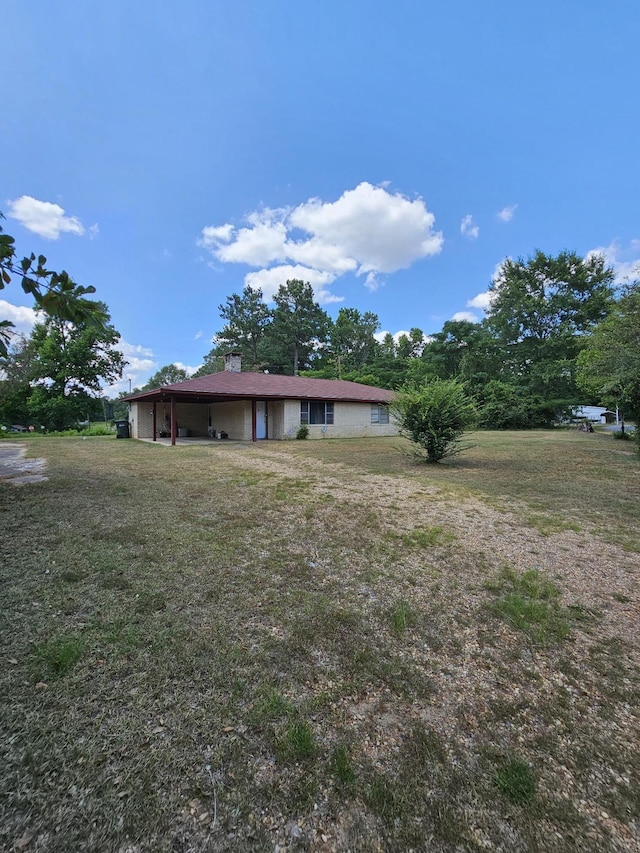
x: 254, y: 406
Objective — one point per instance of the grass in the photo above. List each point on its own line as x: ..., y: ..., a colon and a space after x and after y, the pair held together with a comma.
x: 531, y: 603
x: 516, y: 781
x: 296, y: 634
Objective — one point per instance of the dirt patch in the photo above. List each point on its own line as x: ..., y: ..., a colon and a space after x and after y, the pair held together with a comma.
x: 16, y: 469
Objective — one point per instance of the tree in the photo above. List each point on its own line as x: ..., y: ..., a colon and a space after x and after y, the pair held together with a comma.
x: 462, y: 349
x: 70, y: 361
x: 297, y: 329
x: 542, y: 310
x: 434, y: 416
x: 247, y: 317
x: 170, y: 374
x: 15, y: 378
x: 54, y: 293
x: 609, y: 364
x: 352, y: 340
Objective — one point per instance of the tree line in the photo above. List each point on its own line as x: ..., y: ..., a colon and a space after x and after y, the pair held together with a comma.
x: 557, y: 333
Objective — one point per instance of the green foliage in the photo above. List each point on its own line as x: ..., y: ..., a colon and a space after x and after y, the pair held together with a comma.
x: 352, y: 341
x: 540, y: 312
x: 504, y: 406
x: 54, y: 293
x: 170, y: 374
x: 434, y: 416
x: 298, y: 325
x: 246, y: 319
x: 609, y: 365
x: 516, y: 781
x: 67, y: 364
x: 98, y: 429
x: 303, y: 432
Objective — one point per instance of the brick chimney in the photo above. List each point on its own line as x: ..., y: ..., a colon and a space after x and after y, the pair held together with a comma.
x: 233, y: 362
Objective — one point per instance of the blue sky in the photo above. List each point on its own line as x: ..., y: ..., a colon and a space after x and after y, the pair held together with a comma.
x: 393, y: 154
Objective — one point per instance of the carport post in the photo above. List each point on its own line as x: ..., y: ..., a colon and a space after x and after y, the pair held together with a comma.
x: 174, y: 429
x: 155, y: 431
x: 253, y: 421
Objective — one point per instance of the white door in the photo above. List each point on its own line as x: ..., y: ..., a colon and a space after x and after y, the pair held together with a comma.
x: 261, y: 419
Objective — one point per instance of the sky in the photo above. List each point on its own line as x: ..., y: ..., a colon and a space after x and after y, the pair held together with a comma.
x: 390, y: 153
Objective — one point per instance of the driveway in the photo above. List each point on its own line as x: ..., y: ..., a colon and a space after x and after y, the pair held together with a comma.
x: 15, y: 468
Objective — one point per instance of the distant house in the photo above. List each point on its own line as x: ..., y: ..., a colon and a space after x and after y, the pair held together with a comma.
x: 254, y: 406
x: 595, y: 414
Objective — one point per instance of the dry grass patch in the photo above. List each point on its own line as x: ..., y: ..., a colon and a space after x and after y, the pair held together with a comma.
x: 214, y: 648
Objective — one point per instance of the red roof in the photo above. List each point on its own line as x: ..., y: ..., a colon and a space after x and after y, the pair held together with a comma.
x: 229, y: 384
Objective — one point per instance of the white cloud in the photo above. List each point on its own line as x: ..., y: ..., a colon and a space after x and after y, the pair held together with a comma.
x: 483, y: 301
x: 198, y: 335
x: 372, y: 282
x: 269, y: 280
x: 44, y: 218
x: 625, y: 262
x: 187, y: 367
x: 468, y: 228
x: 506, y: 214
x: 367, y: 231
x: 23, y: 318
x: 469, y: 316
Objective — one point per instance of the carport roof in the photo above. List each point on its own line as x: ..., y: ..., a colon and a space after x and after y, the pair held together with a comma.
x: 231, y: 385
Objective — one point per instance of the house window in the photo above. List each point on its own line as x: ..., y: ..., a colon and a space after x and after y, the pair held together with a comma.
x: 379, y: 413
x: 316, y: 412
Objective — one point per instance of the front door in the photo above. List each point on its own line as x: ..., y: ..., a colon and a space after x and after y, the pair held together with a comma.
x: 261, y: 419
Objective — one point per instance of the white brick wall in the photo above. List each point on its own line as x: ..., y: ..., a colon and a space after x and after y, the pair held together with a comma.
x: 351, y: 420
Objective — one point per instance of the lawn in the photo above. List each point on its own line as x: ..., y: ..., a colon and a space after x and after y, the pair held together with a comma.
x: 322, y: 646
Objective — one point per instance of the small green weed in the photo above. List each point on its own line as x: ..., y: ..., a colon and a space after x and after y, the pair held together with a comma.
x: 530, y: 602
x: 60, y: 655
x: 402, y: 616
x: 269, y: 706
x: 297, y: 742
x: 516, y: 781
x: 429, y: 537
x: 342, y: 766
x: 548, y: 523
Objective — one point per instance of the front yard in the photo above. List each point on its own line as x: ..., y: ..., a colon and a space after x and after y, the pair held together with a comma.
x: 322, y: 646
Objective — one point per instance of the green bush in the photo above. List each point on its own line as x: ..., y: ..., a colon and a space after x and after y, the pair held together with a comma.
x: 434, y: 416
x: 303, y: 432
x: 98, y: 429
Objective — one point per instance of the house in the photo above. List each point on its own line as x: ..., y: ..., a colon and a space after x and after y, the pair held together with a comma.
x: 254, y: 406
x: 595, y: 414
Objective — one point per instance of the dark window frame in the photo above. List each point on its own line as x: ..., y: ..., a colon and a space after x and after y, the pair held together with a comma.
x: 317, y: 412
x: 379, y: 413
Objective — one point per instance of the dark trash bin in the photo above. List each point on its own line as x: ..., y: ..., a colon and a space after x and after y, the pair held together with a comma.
x: 122, y: 429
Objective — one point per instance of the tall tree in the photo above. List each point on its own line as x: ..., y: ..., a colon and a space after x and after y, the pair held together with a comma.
x: 246, y: 319
x: 70, y: 363
x: 540, y: 313
x: 55, y: 293
x: 352, y: 339
x: 15, y: 379
x: 170, y: 374
x: 609, y: 365
x: 298, y: 327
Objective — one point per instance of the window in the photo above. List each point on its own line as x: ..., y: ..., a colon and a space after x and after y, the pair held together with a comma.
x: 379, y: 413
x: 316, y: 412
